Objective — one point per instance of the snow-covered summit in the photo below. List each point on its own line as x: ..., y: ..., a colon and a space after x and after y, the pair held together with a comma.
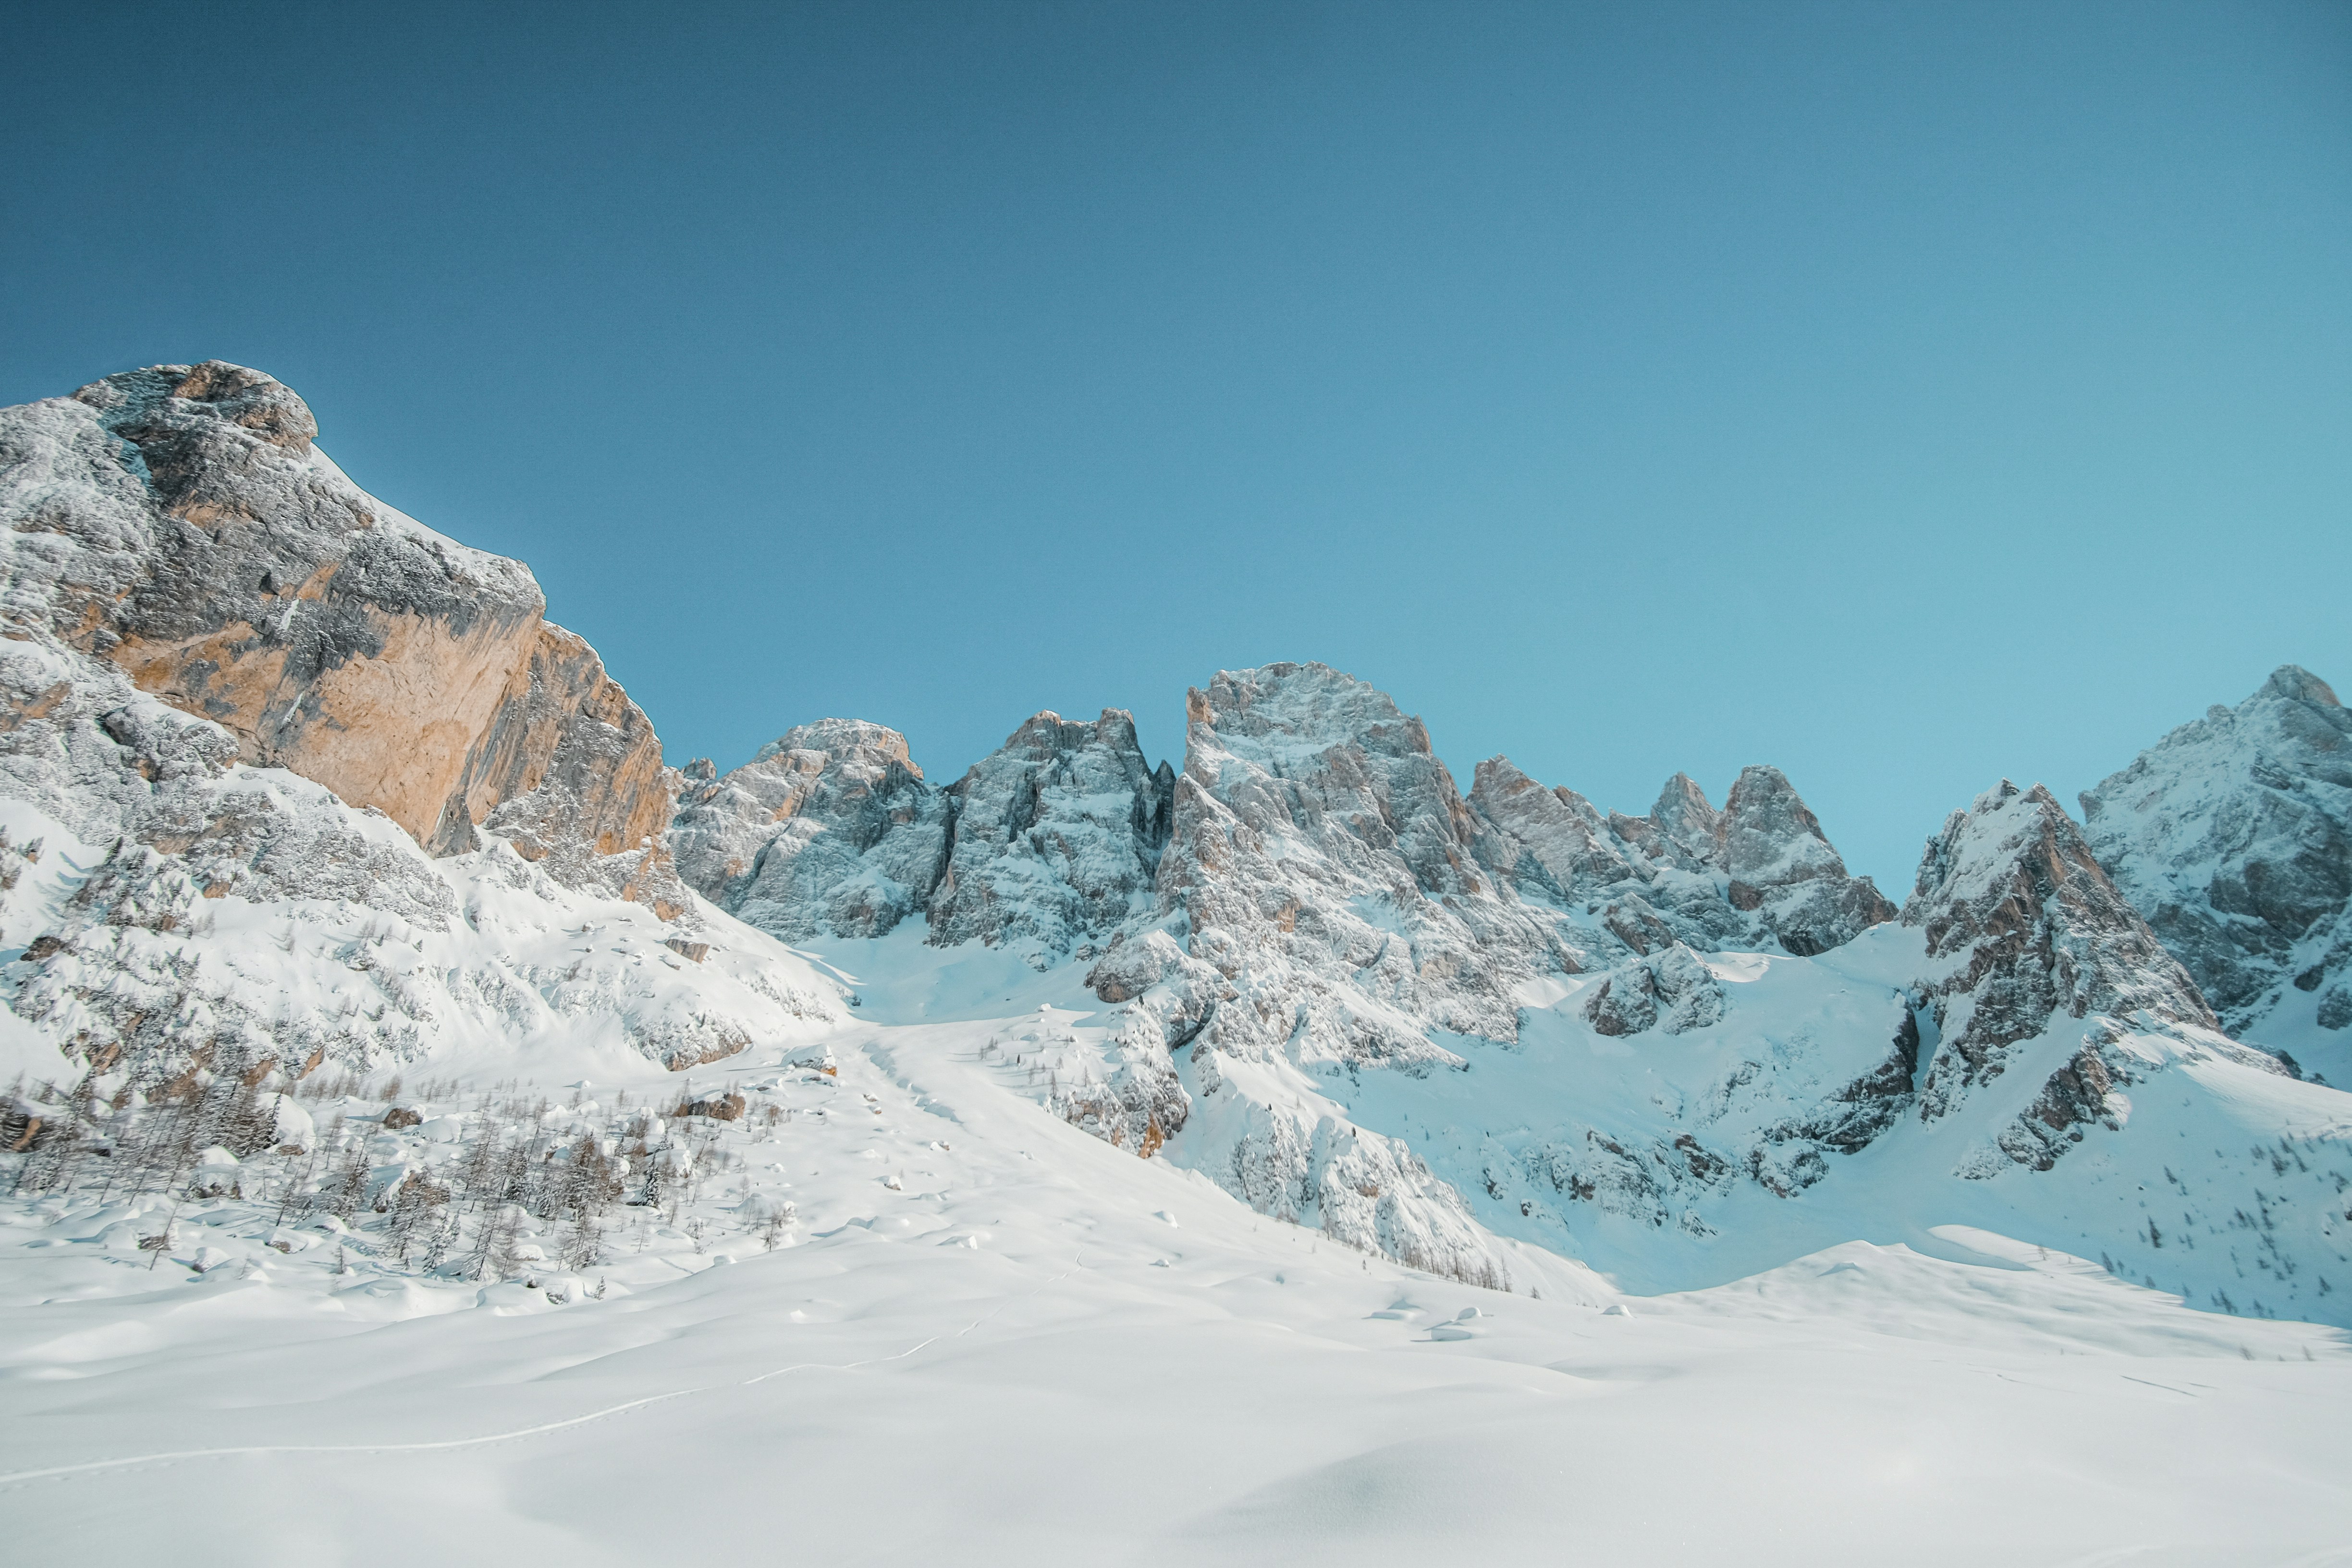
x: 1759, y: 872
x: 2233, y: 836
x: 830, y: 829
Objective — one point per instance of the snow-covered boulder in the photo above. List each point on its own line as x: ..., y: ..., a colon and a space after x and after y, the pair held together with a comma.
x: 1670, y: 989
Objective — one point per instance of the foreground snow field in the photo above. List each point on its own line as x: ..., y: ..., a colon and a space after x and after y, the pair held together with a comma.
x: 990, y: 1336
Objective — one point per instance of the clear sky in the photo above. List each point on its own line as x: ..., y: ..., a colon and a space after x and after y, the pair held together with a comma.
x: 1907, y: 395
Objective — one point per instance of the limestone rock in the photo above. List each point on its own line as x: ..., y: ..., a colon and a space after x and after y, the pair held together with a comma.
x: 179, y: 523
x: 1057, y: 839
x: 1781, y: 866
x: 2233, y: 836
x: 567, y: 760
x: 831, y: 830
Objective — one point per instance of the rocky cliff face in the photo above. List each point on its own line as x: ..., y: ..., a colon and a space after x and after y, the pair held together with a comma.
x: 1046, y: 845
x: 1057, y: 836
x: 1783, y: 868
x: 2233, y: 836
x: 1757, y: 873
x: 179, y: 523
x: 831, y: 830
x: 2026, y: 936
x: 239, y: 700
x: 1323, y: 863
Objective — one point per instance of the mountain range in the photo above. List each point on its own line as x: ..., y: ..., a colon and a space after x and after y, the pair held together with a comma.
x: 294, y: 785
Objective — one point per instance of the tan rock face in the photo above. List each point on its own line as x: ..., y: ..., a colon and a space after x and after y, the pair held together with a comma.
x: 179, y: 523
x: 392, y: 730
x: 566, y: 756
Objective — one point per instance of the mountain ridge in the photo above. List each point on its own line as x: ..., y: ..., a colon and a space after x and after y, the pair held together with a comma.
x: 275, y: 716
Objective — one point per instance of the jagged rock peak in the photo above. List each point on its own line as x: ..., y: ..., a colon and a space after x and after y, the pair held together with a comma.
x: 844, y: 739
x: 2022, y: 923
x: 1305, y: 742
x: 1323, y: 861
x: 830, y: 830
x: 1058, y: 837
x: 1783, y: 868
x: 180, y: 523
x: 1553, y: 839
x: 1757, y: 870
x: 2233, y: 836
x: 1682, y: 830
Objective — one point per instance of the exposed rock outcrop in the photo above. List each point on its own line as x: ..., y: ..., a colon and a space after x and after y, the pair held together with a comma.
x: 1057, y: 836
x: 831, y: 830
x: 2037, y: 961
x: 178, y: 522
x: 1551, y: 841
x: 1322, y: 862
x: 1783, y: 869
x: 1756, y: 873
x: 1048, y: 844
x: 2233, y: 836
x: 1670, y: 990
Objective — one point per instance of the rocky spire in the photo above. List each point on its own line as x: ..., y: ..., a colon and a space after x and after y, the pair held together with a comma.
x: 1058, y: 836
x: 1783, y: 869
x: 829, y: 831
x: 1758, y: 871
x: 2023, y: 931
x: 1682, y: 830
x: 1322, y: 854
x: 1553, y: 839
x: 2233, y: 836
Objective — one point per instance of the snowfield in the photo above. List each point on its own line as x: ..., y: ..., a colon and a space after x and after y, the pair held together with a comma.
x: 984, y: 1333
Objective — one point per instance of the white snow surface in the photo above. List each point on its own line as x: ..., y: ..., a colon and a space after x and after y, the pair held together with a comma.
x: 990, y: 1337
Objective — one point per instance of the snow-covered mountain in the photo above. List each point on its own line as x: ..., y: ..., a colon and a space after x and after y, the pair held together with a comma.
x: 319, y: 788
x: 302, y: 785
x: 363, y: 959
x: 2233, y: 835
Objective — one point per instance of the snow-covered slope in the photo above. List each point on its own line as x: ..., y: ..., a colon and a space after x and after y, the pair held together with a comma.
x: 986, y: 1336
x: 1287, y: 1156
x: 2233, y: 835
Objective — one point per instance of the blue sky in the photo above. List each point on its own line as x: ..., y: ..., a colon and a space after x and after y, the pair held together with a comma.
x: 1904, y: 396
